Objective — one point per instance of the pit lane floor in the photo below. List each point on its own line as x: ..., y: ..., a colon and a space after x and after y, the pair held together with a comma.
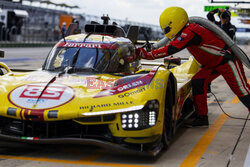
x: 191, y: 146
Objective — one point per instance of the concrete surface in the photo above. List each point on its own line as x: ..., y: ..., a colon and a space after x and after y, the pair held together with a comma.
x: 202, y: 147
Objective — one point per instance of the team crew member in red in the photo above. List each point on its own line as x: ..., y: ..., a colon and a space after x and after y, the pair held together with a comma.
x: 209, y: 50
x: 224, y: 24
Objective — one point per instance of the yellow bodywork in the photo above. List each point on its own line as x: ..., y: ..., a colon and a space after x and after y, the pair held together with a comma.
x: 84, y: 88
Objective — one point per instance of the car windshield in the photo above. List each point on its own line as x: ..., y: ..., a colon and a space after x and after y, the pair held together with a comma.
x: 94, y: 59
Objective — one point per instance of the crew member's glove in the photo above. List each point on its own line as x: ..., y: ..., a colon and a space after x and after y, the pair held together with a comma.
x: 229, y: 56
x: 144, y: 54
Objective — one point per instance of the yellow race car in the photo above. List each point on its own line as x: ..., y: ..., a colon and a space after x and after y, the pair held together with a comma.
x: 91, y: 90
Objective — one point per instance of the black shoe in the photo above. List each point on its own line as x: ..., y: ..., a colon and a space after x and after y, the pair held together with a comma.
x: 200, y: 120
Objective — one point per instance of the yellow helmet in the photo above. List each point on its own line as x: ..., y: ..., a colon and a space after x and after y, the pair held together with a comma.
x: 172, y: 20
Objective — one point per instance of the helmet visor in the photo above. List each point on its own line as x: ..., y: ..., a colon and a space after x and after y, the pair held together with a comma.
x: 166, y: 30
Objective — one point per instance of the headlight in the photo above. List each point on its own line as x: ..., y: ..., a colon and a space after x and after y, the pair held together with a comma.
x: 141, y: 119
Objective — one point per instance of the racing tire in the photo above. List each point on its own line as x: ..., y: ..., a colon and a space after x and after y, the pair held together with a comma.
x: 167, y: 133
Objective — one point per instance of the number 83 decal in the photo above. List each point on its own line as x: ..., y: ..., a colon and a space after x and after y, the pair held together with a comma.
x: 24, y: 96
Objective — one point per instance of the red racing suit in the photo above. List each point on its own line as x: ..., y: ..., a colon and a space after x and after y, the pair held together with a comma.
x: 209, y: 51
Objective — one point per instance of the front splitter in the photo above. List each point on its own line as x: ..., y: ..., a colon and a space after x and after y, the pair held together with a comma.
x: 85, y: 141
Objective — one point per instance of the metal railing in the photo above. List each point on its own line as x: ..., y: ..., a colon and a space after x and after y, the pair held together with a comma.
x: 37, y: 34
x: 40, y: 35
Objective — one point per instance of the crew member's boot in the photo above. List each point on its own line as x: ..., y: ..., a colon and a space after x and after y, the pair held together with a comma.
x: 200, y: 120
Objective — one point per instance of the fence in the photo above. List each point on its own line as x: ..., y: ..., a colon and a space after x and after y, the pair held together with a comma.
x: 36, y: 35
x: 28, y: 34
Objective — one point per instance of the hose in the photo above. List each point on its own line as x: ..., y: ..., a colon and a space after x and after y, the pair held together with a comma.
x: 219, y: 32
x: 237, y: 142
x: 225, y: 112
x: 160, y: 43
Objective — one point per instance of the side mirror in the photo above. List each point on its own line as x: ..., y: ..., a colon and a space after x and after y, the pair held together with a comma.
x: 73, y: 29
x: 1, y: 54
x: 133, y: 32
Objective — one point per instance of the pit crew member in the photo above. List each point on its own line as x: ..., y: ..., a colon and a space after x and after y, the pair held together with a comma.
x: 224, y: 23
x: 209, y: 50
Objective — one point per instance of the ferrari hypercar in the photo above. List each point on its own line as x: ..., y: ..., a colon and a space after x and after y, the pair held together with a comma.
x: 93, y: 90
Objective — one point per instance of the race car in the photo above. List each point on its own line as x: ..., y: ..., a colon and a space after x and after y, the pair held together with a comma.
x: 92, y: 90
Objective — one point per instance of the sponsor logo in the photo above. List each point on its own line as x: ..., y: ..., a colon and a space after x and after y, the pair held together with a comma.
x: 127, y: 94
x: 130, y: 85
x: 183, y: 35
x: 54, y: 95
x: 106, y: 105
x: 86, y: 45
x: 33, y: 101
x: 161, y: 54
x: 82, y: 45
x: 121, y: 85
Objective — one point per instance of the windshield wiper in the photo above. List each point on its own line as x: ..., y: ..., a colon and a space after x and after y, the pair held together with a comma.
x: 75, y: 57
x: 96, y: 58
x: 85, y: 69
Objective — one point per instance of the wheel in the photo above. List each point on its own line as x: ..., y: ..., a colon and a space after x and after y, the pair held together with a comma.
x: 167, y: 133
